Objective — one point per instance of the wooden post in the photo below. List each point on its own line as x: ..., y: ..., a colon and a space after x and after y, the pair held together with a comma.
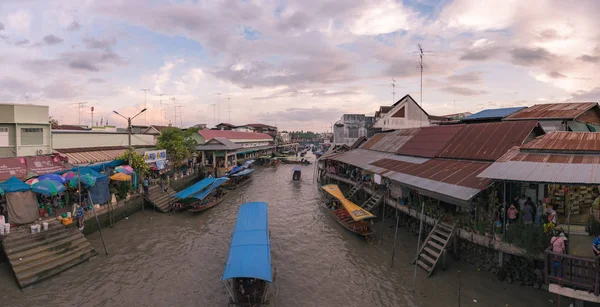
x: 444, y: 259
x: 456, y: 247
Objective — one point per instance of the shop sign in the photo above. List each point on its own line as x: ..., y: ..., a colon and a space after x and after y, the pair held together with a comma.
x: 155, y: 155
x: 257, y: 144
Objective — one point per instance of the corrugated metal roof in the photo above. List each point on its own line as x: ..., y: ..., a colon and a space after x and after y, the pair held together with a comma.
x: 93, y: 156
x: 234, y: 135
x: 561, y: 141
x: 553, y: 111
x: 541, y: 172
x: 578, y: 126
x: 428, y: 141
x: 488, y: 141
x: 390, y: 142
x: 219, y: 143
x: 492, y: 113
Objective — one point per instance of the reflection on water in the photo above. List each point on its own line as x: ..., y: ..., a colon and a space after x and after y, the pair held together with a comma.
x: 177, y: 260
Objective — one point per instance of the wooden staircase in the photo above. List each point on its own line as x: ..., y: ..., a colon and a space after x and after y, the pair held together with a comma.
x: 162, y: 200
x: 434, y: 246
x: 354, y: 189
x: 373, y: 201
x: 35, y: 257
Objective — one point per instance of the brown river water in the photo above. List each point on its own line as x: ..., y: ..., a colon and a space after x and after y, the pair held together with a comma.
x: 177, y: 260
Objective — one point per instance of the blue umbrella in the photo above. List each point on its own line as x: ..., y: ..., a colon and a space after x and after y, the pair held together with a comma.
x: 54, y: 177
x: 48, y: 187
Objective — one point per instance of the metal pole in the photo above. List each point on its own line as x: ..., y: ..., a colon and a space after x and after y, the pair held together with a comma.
x: 458, y: 288
x: 419, y: 241
x: 129, y: 131
x: 97, y: 222
x: 395, y: 236
x: 383, y: 214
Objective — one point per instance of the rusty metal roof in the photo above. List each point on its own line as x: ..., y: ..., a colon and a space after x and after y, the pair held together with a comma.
x: 89, y: 155
x: 553, y: 111
x: 545, y: 167
x: 561, y: 141
x: 391, y: 141
x: 487, y: 141
x: 449, y: 180
x: 428, y: 141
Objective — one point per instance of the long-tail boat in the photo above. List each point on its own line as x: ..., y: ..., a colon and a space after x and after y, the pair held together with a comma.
x: 248, y: 271
x: 239, y: 179
x: 210, y: 197
x: 346, y: 213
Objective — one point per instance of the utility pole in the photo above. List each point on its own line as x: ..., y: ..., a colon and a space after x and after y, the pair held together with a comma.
x: 92, y: 117
x: 80, y: 106
x: 229, y: 106
x: 128, y: 119
x: 145, y: 102
x: 219, y: 105
x: 421, y: 66
x: 162, y: 118
x: 393, y: 91
x: 175, y: 108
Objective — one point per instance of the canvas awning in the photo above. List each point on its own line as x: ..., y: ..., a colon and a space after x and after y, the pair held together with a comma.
x: 250, y: 251
x: 357, y: 213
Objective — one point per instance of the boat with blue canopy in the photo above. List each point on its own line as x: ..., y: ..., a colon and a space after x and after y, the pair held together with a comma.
x: 234, y: 170
x: 185, y: 198
x: 210, y: 197
x: 297, y: 172
x: 248, y: 270
x: 239, y: 179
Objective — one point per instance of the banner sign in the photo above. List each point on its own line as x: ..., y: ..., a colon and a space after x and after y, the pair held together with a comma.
x: 155, y: 155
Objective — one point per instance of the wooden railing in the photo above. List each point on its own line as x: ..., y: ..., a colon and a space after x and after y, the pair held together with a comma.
x: 575, y: 272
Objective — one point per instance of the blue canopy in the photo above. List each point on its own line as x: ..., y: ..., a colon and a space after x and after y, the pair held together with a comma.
x: 54, y: 177
x: 235, y: 170
x: 219, y: 181
x: 250, y: 252
x: 87, y: 170
x: 13, y: 184
x: 297, y: 168
x: 195, y: 188
x: 48, y: 187
x: 243, y: 173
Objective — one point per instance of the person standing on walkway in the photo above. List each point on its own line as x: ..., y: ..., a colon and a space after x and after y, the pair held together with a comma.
x: 558, y: 247
x: 596, y: 245
x: 539, y: 211
x: 528, y: 213
x: 145, y: 183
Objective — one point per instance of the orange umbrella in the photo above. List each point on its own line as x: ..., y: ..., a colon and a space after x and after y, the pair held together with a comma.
x: 120, y: 177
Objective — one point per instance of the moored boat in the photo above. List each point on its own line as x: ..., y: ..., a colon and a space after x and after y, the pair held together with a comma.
x: 184, y: 200
x: 297, y: 173
x: 210, y: 197
x: 348, y: 214
x: 239, y: 179
x: 248, y: 272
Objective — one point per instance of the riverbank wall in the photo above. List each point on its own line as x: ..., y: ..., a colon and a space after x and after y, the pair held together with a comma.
x: 508, y: 262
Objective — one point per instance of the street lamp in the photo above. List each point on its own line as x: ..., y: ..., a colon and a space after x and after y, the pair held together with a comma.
x: 129, y: 123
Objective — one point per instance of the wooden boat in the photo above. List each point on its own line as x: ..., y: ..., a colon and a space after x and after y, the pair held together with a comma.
x: 348, y: 214
x: 207, y: 203
x: 239, y: 179
x: 248, y: 272
x: 297, y: 173
x: 196, y: 194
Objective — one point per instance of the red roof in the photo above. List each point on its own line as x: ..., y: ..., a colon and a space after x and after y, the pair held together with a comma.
x: 488, y: 141
x: 233, y: 135
x: 461, y: 173
x: 429, y: 141
x: 560, y: 141
x: 553, y: 111
x: 544, y: 157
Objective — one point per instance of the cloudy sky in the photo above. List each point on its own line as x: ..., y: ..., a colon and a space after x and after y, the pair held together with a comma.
x: 294, y: 64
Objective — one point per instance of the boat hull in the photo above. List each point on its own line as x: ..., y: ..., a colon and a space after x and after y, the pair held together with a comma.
x: 233, y: 186
x: 196, y: 209
x: 349, y: 225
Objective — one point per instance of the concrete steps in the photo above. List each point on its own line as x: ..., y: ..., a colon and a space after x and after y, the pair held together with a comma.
x: 35, y: 257
x: 160, y: 199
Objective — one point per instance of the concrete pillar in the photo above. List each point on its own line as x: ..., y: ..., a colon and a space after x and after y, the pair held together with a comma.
x: 214, y: 159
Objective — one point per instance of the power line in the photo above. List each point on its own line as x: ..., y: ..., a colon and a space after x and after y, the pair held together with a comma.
x: 145, y: 103
x: 162, y: 117
x: 80, y: 106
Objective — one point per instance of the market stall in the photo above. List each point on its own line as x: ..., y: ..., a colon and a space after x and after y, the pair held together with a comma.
x: 21, y: 202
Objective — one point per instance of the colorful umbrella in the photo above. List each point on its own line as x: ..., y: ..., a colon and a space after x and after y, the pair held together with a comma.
x: 1, y: 191
x: 54, y: 177
x: 124, y: 169
x: 69, y: 175
x: 86, y: 180
x: 120, y: 177
x: 30, y: 175
x: 48, y: 187
x: 32, y: 181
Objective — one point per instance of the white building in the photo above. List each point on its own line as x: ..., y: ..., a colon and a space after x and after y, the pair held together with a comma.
x: 405, y: 113
x: 285, y: 137
x: 24, y: 130
x: 351, y: 127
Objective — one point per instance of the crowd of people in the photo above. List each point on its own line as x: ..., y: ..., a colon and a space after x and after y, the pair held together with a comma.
x: 523, y: 209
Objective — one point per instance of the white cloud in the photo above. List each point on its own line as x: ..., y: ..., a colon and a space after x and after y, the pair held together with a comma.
x: 480, y: 15
x: 19, y: 22
x: 386, y: 17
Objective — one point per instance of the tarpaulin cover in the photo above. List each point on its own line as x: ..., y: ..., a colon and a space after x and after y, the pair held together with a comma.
x: 100, y: 192
x: 22, y: 207
x: 357, y: 213
x: 250, y: 252
x: 235, y: 169
x: 14, y: 185
x: 195, y: 188
x: 102, y: 166
x: 86, y: 170
x: 219, y: 181
x: 12, y: 167
x: 243, y: 173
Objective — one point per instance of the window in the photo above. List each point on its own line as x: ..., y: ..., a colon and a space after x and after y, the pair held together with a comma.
x: 32, y: 136
x: 353, y: 132
x: 4, y: 137
x: 400, y: 113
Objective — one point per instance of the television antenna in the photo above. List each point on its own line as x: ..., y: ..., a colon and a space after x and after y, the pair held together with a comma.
x: 393, y: 91
x: 145, y: 103
x: 162, y: 118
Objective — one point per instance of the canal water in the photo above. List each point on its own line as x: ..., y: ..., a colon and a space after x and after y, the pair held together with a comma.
x: 177, y: 260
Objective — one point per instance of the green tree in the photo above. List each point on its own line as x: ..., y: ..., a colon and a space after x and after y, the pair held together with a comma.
x: 179, y: 144
x: 136, y: 161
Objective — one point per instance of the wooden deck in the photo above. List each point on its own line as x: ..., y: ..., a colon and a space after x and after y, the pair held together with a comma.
x: 577, y: 273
